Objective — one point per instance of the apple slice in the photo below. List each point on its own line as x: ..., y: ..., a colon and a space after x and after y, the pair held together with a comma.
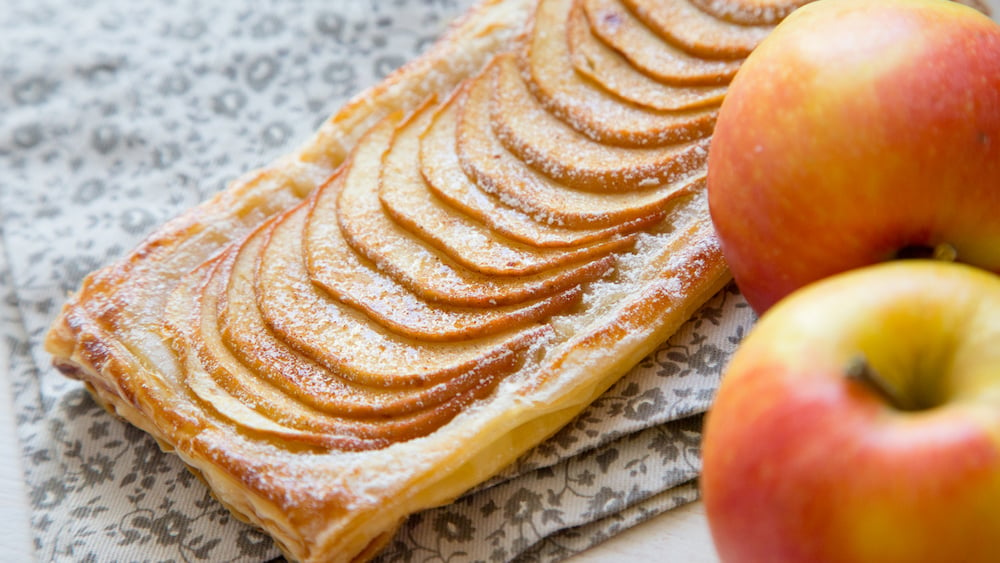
x: 559, y: 151
x: 211, y: 372
x: 498, y: 171
x: 615, y: 25
x: 602, y: 64
x: 416, y: 265
x: 750, y: 12
x: 290, y: 397
x: 405, y: 197
x: 346, y: 340
x: 335, y: 267
x: 238, y: 339
x: 680, y: 22
x: 584, y: 105
x: 440, y: 166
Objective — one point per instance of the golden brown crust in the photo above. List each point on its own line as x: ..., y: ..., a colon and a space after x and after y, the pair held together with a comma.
x: 277, y: 359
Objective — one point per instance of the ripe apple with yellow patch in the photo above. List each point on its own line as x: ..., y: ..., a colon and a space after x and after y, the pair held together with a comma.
x: 860, y: 421
x: 859, y: 131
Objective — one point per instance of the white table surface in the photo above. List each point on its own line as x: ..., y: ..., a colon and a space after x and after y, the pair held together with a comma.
x: 679, y: 535
x: 15, y: 537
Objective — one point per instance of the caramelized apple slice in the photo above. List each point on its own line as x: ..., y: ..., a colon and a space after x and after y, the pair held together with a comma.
x: 498, y: 171
x: 335, y: 266
x: 225, y: 385
x: 345, y: 340
x: 617, y: 27
x: 552, y: 147
x: 441, y: 168
x: 750, y: 12
x: 292, y: 398
x: 587, y: 107
x: 416, y: 265
x: 683, y: 24
x: 405, y: 196
x: 602, y: 64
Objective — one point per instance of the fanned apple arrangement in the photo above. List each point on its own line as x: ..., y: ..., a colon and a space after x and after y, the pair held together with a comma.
x: 456, y: 240
x: 469, y: 253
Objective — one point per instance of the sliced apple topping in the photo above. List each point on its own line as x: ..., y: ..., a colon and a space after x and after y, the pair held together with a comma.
x: 221, y: 381
x: 552, y: 147
x: 680, y: 22
x: 418, y: 266
x: 348, y: 341
x: 355, y: 280
x: 614, y: 24
x: 605, y: 66
x: 587, y: 107
x: 441, y: 168
x: 405, y: 196
x: 500, y: 172
x: 233, y: 362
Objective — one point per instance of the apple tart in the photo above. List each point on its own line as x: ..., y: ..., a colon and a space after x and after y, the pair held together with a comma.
x: 450, y: 269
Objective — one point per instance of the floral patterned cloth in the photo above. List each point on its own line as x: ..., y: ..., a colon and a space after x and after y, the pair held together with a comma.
x: 116, y: 116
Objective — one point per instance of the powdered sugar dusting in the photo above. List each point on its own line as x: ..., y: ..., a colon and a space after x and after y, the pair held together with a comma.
x: 548, y: 144
x: 603, y: 65
x: 697, y: 32
x: 615, y: 25
x: 443, y: 172
x: 550, y: 73
x: 501, y: 173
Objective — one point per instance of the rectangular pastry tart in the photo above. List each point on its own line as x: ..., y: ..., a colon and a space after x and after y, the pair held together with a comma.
x: 450, y: 269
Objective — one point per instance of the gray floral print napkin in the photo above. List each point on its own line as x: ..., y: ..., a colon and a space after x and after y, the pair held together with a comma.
x: 116, y: 116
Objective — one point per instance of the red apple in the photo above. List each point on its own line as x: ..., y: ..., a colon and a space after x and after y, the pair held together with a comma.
x: 860, y: 421
x: 857, y: 132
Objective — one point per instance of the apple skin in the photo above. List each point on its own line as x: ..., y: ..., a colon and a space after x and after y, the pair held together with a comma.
x: 803, y: 463
x: 857, y: 129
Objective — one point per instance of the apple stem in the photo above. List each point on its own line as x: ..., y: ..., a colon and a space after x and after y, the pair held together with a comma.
x: 946, y: 252
x: 861, y: 371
